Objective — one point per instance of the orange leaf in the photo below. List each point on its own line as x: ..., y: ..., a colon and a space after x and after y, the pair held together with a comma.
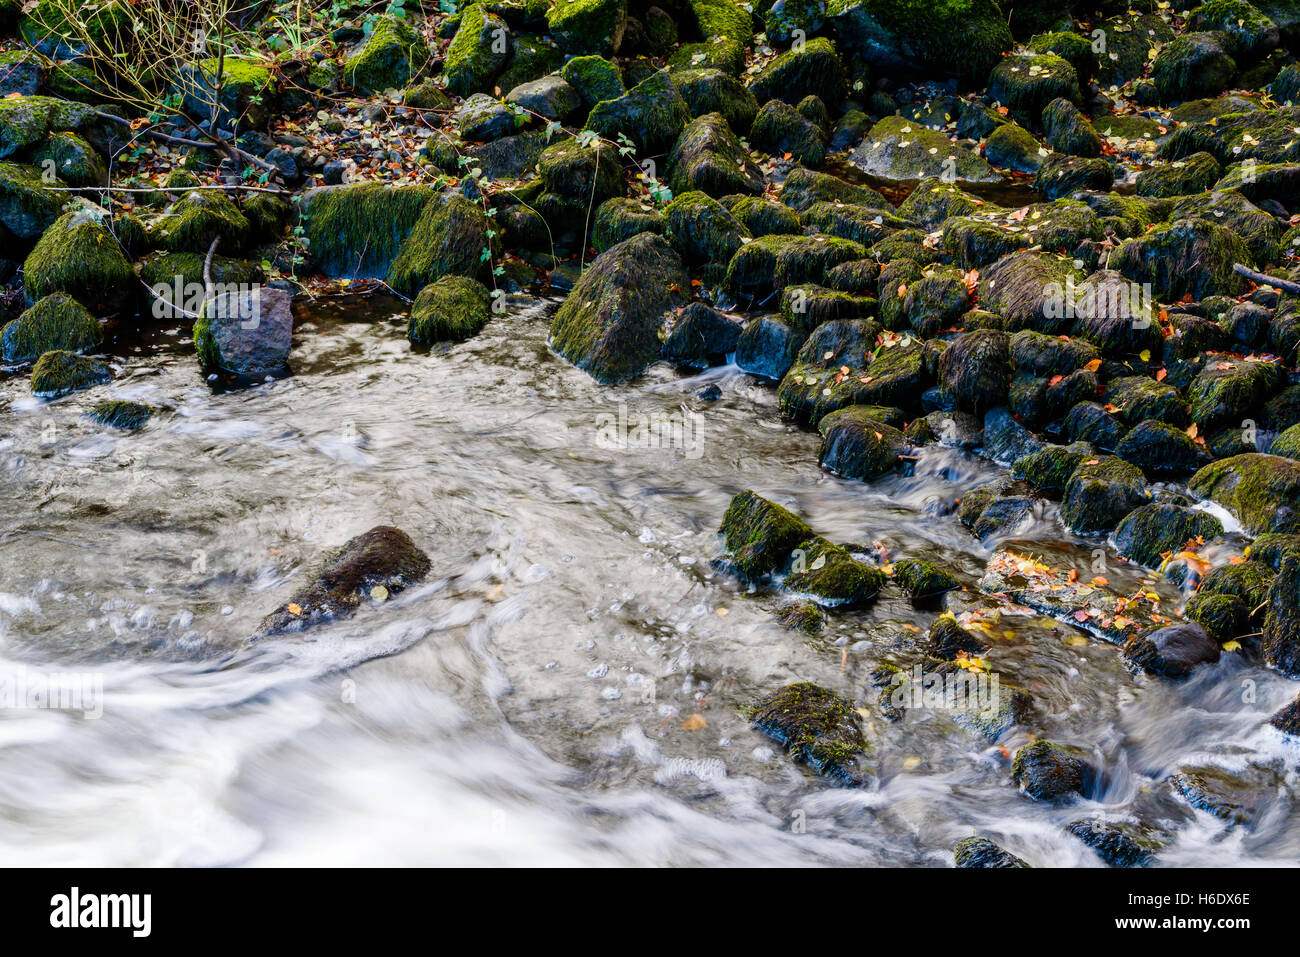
x: 1160, y: 374
x: 1093, y: 366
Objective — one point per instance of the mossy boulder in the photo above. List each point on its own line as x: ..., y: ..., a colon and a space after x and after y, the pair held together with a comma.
x: 652, y: 114
x: 1063, y: 175
x: 921, y: 579
x: 1251, y: 33
x: 27, y: 208
x: 588, y: 27
x: 373, y: 565
x: 1047, y: 771
x: 357, y: 230
x: 594, y: 78
x: 814, y: 70
x: 1159, y: 450
x: 449, y: 238
x: 856, y: 445
x: 1281, y: 643
x: 766, y: 217
x: 1194, y: 64
x: 449, y: 310
x: 804, y: 187
x: 1137, y: 398
x: 1262, y: 491
x: 26, y: 120
x: 1224, y: 617
x: 1072, y: 47
x: 1259, y: 230
x: 897, y: 148
x: 119, y: 414
x: 44, y: 26
x: 1287, y: 444
x: 709, y: 157
x: 975, y: 369
x: 56, y: 321
x: 1089, y: 422
x: 478, y: 52
x: 780, y: 130
x: 1013, y: 147
x: 768, y: 346
x: 759, y: 536
x: 59, y: 372
x: 1068, y: 130
x: 1192, y: 174
x: 1228, y: 391
x: 1024, y: 288
x: 877, y: 379
x: 1172, y: 651
x: 703, y: 230
x: 609, y: 324
x: 71, y: 159
x: 619, y: 218
x: 1026, y: 83
x: 199, y: 217
x: 1102, y: 490
x: 1149, y: 533
x: 1049, y: 469
x: 965, y: 38
x: 827, y: 574
x: 243, y: 95
x: 700, y: 336
x: 78, y: 255
x: 714, y: 91
x: 983, y: 853
x: 815, y: 725
x: 1188, y: 257
x: 390, y: 57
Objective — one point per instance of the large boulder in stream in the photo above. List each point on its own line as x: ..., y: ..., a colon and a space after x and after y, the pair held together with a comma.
x: 1172, y: 651
x: 609, y: 324
x: 1282, y: 624
x: 374, y: 565
x: 1047, y: 771
x: 1262, y: 491
x: 245, y: 332
x: 759, y: 535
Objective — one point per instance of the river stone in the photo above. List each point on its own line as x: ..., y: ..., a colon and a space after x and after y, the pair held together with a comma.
x: 830, y: 576
x: 1102, y: 491
x: 1172, y: 651
x: 609, y: 324
x: 901, y: 149
x: 815, y: 725
x: 857, y: 446
x: 1148, y: 533
x: 760, y: 535
x: 768, y: 347
x: 1119, y: 844
x: 921, y: 579
x: 246, y: 332
x: 56, y: 321
x: 1005, y: 439
x: 975, y: 370
x: 382, y: 558
x: 1159, y: 449
x: 59, y: 372
x: 981, y: 852
x: 1238, y: 797
x: 1282, y: 623
x: 1261, y: 491
x: 1047, y: 771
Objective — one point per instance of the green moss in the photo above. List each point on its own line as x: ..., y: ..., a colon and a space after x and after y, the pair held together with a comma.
x: 828, y: 574
x: 391, y: 56
x: 358, y: 229
x: 760, y: 535
x: 1247, y: 581
x: 802, y: 616
x: 855, y: 444
x: 814, y: 70
x: 1262, y: 491
x: 45, y: 27
x: 27, y: 208
x: 814, y: 724
x: 449, y: 310
x: 653, y: 114
x: 79, y: 256
x: 619, y: 219
x: 58, y: 372
x: 921, y: 579
x: 1100, y: 492
x: 475, y: 55
x: 716, y: 53
x: 764, y: 217
x: 1047, y: 771
x: 450, y: 237
x: 25, y: 120
x: 55, y: 322
x: 197, y: 219
x: 702, y: 229
x: 594, y: 78
x: 1192, y: 65
x: 1071, y: 47
x: 1190, y: 257
x: 72, y: 159
x: 165, y: 269
x: 1025, y: 84
x: 983, y: 853
x: 1193, y: 174
x: 588, y: 26
x: 1282, y: 623
x: 723, y: 18
x: 121, y: 415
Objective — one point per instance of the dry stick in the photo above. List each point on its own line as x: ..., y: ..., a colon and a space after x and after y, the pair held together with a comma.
x: 1286, y: 285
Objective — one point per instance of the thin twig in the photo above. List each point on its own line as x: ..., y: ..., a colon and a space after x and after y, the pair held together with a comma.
x: 1286, y: 285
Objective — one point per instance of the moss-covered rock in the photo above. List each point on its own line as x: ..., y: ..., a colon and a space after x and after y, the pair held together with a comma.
x: 1260, y: 231
x: 802, y: 616
x: 1049, y: 469
x: 27, y: 208
x: 1089, y: 422
x: 759, y: 535
x: 932, y: 201
x: 1136, y: 399
x: 618, y: 219
x: 199, y: 217
x: 1071, y: 47
x: 243, y: 95
x: 478, y: 52
x: 1013, y: 147
x: 965, y: 38
x: 1228, y: 391
x: 766, y: 217
x: 1194, y: 64
x: 897, y: 148
x: 380, y: 562
x: 1287, y: 444
x: 975, y: 369
x: 814, y: 70
x: 780, y: 130
x: 594, y: 78
x: 56, y: 321
x: 1224, y: 617
x: 58, y: 373
x: 26, y: 120
x: 1047, y: 771
x: 1251, y: 33
x: 700, y: 336
x: 1026, y: 83
x: 609, y: 324
x: 817, y: 726
x: 118, y: 414
x: 921, y: 579
x: 1149, y: 534
x: 1102, y: 491
x: 702, y: 229
x: 358, y: 229
x: 1172, y: 651
x: 1159, y: 449
x: 856, y: 445
x: 710, y: 158
x: 878, y: 378
x: 77, y: 255
x: 715, y: 91
x: 449, y: 238
x: 1068, y: 130
x: 1262, y: 491
x: 1189, y: 257
x: 71, y: 159
x: 449, y: 310
x: 588, y: 27
x: 1192, y: 174
x: 652, y: 114
x: 1062, y: 175
x: 1281, y: 643
x: 390, y: 57
x: 981, y: 852
x: 827, y: 574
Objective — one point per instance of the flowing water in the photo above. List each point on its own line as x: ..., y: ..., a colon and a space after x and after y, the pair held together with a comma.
x: 565, y: 687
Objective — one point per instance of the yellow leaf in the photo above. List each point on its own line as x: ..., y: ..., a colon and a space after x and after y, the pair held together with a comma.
x: 1232, y: 646
x: 295, y: 608
x: 379, y: 593
x: 695, y: 722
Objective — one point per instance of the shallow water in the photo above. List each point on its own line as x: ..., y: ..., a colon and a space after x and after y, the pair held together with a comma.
x: 534, y: 700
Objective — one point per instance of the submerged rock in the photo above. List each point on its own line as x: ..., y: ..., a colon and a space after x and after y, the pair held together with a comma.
x: 1119, y: 844
x: 1047, y: 771
x: 1232, y: 796
x: 120, y: 415
x: 1172, y: 651
x: 922, y: 579
x: 55, y: 322
x: 815, y: 725
x: 58, y: 373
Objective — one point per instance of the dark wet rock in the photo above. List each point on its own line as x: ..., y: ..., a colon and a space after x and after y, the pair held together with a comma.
x: 1247, y: 324
x: 902, y: 149
x: 933, y: 201
x: 1005, y: 439
x: 447, y: 239
x: 1089, y: 422
x: 1172, y: 651
x: 815, y: 725
x: 1281, y: 643
x: 975, y: 369
x: 594, y: 78
x: 483, y: 117
x: 653, y: 114
x: 1042, y: 355
x: 709, y: 157
x: 1262, y: 491
x: 921, y: 579
x: 1102, y: 491
x: 1026, y: 289
x: 983, y: 853
x: 1068, y: 130
x: 1194, y: 64
x: 1136, y: 399
x: 759, y: 535
x: 830, y: 576
x: 588, y: 175
x: 1237, y: 797
x: 814, y: 70
x: 948, y: 640
x: 780, y: 130
x: 1051, y: 772
x: 965, y: 40
x: 1119, y: 844
x: 593, y: 27
x: 1227, y: 391
x: 1026, y: 83
x: 768, y: 347
x: 1062, y: 175
x: 549, y: 96
x: 245, y: 332
x: 1160, y: 449
x: 713, y: 91
x: 816, y: 384
x: 609, y: 324
x: 804, y: 616
x: 1048, y: 470
x: 1149, y: 533
x: 59, y: 372
x: 1039, y: 402
x: 56, y: 321
x: 449, y: 310
x: 117, y: 414
x: 856, y: 445
x: 1224, y: 617
x: 27, y: 208
x: 1011, y: 146
x: 701, y: 335
x: 848, y: 131
x: 804, y: 187
x: 1288, y: 719
x: 953, y: 429
x: 375, y: 564
x: 766, y: 217
x: 702, y: 229
x: 1192, y: 174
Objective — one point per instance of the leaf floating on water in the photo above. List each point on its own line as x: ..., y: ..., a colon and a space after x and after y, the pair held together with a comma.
x: 695, y: 722
x: 379, y: 593
x: 295, y: 608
